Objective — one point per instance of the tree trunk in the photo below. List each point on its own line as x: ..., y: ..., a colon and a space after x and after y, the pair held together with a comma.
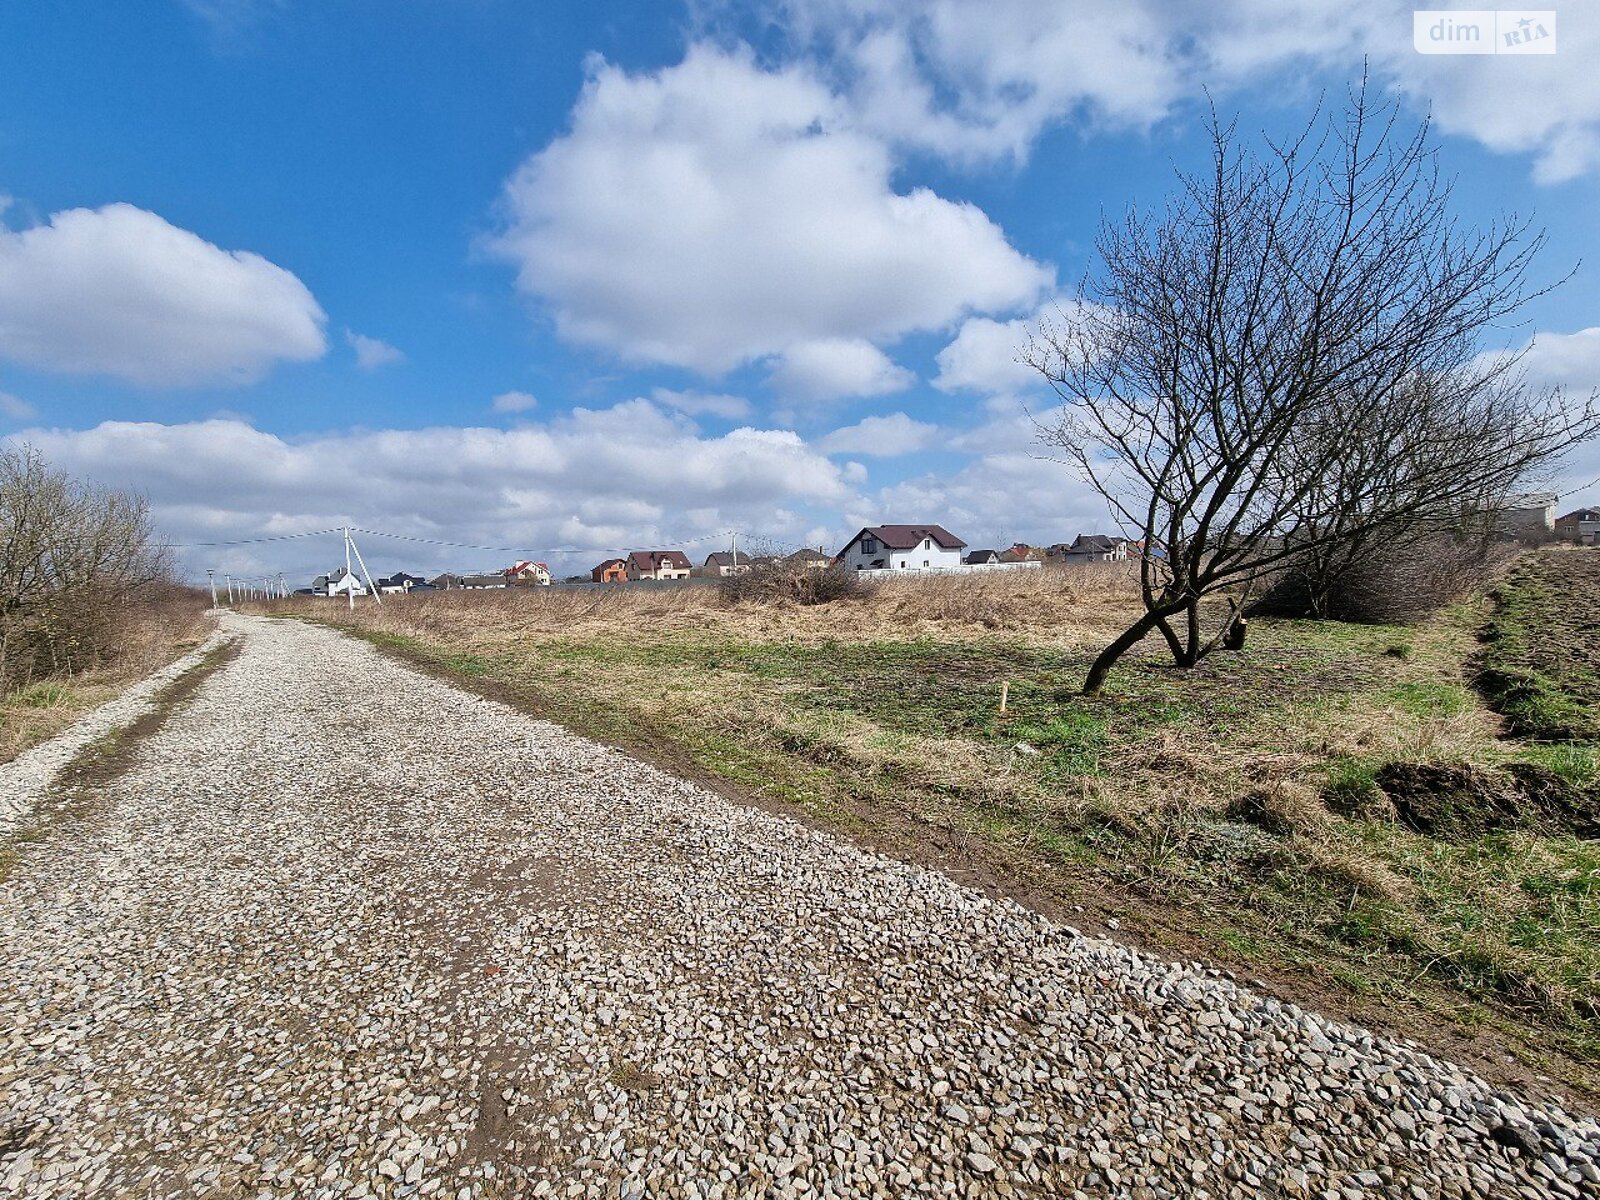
x: 1132, y: 636
x: 1193, y: 646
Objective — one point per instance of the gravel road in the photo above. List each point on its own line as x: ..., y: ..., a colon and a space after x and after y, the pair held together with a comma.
x: 343, y: 930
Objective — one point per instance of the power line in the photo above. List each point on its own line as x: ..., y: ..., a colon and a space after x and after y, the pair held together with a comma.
x: 286, y: 537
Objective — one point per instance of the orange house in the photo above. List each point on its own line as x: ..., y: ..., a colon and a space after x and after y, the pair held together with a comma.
x: 613, y: 570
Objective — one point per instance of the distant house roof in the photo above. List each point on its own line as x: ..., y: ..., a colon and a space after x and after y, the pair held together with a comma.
x: 1580, y: 514
x: 807, y: 555
x: 654, y: 560
x: 727, y: 558
x: 1095, y: 543
x: 982, y: 556
x: 400, y: 579
x: 447, y: 580
x: 525, y: 566
x: 608, y: 564
x: 905, y: 537
x: 482, y: 581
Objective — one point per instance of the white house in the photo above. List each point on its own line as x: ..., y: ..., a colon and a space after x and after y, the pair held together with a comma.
x: 339, y: 583
x: 1097, y: 547
x: 529, y: 572
x: 1531, y: 513
x: 902, y: 548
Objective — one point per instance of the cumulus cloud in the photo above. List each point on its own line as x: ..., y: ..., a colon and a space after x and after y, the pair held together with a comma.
x: 593, y: 480
x: 882, y: 437
x: 985, y: 357
x: 1570, y: 360
x: 975, y: 83
x: 118, y: 291
x: 372, y: 353
x: 712, y: 404
x: 514, y: 402
x: 833, y: 368
x: 716, y: 213
x: 14, y: 408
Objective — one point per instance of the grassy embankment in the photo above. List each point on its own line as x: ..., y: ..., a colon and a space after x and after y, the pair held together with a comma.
x: 151, y: 635
x: 1229, y: 812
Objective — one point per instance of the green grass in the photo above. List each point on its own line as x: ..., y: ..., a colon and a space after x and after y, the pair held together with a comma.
x: 1577, y: 763
x: 1428, y: 698
x: 46, y: 694
x: 1541, y: 681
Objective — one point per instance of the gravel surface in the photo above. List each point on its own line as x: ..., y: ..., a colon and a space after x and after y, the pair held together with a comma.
x: 343, y: 930
x: 25, y: 779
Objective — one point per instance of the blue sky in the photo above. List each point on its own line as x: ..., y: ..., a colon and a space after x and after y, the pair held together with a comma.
x: 528, y: 276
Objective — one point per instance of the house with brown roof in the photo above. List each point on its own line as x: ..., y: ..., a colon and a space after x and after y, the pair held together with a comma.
x: 1581, y: 525
x: 613, y: 570
x: 902, y: 548
x: 726, y: 562
x: 658, y: 564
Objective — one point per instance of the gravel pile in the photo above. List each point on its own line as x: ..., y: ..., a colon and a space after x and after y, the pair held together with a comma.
x: 345, y: 931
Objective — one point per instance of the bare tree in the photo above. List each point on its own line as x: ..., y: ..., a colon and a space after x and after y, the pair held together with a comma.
x: 1287, y: 361
x: 71, y: 555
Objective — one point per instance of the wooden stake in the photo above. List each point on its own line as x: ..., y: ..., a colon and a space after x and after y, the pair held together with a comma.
x: 1005, y: 693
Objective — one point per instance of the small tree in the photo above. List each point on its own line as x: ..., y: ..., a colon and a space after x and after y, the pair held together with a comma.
x: 71, y: 556
x: 1287, y: 362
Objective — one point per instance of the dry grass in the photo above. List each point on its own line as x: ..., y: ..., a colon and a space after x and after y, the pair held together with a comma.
x: 149, y: 635
x: 1067, y: 604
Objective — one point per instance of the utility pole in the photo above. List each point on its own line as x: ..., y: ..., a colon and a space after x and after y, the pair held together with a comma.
x: 349, y: 580
x: 229, y: 578
x: 371, y: 586
x: 211, y: 578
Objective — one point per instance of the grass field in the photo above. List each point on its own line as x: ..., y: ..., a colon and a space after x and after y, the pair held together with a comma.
x: 1231, y: 813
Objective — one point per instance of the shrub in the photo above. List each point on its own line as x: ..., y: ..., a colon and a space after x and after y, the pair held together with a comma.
x: 769, y: 583
x: 1399, y: 580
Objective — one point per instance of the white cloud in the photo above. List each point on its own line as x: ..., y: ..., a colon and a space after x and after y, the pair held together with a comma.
x: 833, y: 368
x: 15, y: 408
x: 715, y: 213
x: 976, y: 82
x: 1571, y: 360
x: 593, y: 480
x: 372, y: 353
x: 118, y: 291
x: 514, y: 402
x: 714, y: 404
x: 985, y: 357
x: 883, y: 437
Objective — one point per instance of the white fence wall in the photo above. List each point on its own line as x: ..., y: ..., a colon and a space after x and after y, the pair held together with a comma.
x: 964, y: 569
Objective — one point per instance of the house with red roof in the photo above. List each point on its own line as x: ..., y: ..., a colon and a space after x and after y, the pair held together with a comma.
x: 528, y: 573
